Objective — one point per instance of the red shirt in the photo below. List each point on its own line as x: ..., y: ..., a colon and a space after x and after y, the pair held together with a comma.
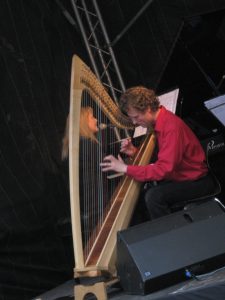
x: 180, y: 155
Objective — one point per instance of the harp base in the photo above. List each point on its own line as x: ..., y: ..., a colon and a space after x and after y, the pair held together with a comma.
x: 99, y: 289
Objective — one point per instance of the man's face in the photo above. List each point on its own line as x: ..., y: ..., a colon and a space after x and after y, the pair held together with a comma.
x: 139, y: 118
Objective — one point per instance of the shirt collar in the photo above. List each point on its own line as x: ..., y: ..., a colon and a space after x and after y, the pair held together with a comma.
x: 159, y: 121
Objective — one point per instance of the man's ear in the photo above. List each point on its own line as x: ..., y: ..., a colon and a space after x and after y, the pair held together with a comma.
x: 149, y: 110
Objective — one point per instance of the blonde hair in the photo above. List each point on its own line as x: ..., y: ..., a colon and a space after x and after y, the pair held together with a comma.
x: 85, y: 130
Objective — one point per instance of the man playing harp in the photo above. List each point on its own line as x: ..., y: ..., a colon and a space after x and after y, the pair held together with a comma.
x: 180, y: 172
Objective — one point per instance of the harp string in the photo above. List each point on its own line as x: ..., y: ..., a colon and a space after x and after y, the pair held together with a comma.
x: 95, y: 189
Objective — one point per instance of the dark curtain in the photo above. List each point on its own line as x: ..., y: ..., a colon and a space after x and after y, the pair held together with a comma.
x: 36, y: 48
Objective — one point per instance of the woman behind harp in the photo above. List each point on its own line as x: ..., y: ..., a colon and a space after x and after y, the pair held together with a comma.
x: 89, y: 159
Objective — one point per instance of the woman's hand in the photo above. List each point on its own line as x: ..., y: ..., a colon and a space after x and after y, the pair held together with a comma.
x: 127, y: 147
x: 110, y: 163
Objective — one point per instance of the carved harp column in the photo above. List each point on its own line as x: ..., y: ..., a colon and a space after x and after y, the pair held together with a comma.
x: 109, y: 202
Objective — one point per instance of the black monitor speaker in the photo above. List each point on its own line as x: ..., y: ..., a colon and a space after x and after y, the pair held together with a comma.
x: 165, y: 251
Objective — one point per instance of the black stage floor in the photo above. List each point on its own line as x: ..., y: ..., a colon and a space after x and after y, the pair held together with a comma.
x: 209, y: 287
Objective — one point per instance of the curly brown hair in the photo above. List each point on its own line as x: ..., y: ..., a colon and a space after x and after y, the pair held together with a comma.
x: 140, y: 98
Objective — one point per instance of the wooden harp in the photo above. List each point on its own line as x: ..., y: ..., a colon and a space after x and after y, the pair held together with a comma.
x: 118, y: 209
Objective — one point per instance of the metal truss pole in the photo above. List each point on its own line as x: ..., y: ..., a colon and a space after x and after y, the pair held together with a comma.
x: 97, y: 41
x: 110, y: 49
x: 86, y: 42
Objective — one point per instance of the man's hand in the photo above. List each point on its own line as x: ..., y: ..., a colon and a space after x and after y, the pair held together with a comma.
x: 110, y: 163
x: 127, y: 147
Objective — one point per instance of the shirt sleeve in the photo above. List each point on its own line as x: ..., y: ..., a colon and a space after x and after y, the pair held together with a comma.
x: 169, y: 156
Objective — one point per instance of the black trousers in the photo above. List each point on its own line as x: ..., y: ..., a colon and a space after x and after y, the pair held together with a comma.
x: 159, y: 198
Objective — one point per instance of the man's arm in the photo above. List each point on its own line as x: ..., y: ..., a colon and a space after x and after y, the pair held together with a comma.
x: 170, y: 154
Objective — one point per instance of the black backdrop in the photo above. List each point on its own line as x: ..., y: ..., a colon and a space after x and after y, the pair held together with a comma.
x: 36, y: 47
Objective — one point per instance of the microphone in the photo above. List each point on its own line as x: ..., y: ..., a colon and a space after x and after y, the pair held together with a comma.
x: 103, y: 126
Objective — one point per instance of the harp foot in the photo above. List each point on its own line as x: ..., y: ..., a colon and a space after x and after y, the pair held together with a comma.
x: 98, y: 289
